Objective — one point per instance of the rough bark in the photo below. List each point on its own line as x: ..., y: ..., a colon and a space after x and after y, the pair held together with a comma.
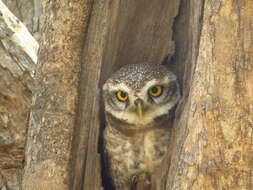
x: 52, y: 115
x: 213, y: 134
x: 16, y: 84
x: 212, y: 138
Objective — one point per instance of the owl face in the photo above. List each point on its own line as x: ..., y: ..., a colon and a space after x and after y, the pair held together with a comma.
x: 140, y: 93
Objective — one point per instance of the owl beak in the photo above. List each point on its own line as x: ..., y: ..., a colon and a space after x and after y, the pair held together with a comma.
x: 139, y: 108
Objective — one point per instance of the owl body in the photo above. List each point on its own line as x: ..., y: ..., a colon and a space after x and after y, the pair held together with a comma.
x: 138, y: 99
x: 132, y: 154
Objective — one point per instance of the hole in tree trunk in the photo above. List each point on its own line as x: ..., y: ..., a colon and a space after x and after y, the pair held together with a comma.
x: 132, y: 32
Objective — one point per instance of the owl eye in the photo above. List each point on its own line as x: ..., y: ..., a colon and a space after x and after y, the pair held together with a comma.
x: 155, y: 91
x: 122, y: 96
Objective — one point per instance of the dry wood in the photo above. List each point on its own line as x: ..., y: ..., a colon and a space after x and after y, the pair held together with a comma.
x: 52, y: 117
x: 85, y: 146
x: 16, y: 82
x: 212, y: 141
x: 138, y: 32
x: 18, y: 41
x: 213, y: 136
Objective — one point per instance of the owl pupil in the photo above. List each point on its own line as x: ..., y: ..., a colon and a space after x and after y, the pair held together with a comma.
x: 123, y: 94
x: 154, y: 90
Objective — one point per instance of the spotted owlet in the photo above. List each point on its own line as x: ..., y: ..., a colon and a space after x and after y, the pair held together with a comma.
x: 138, y: 99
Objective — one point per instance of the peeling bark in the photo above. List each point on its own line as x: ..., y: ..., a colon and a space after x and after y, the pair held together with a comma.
x: 16, y: 83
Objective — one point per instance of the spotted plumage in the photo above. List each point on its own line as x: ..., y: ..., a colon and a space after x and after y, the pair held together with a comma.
x: 138, y: 99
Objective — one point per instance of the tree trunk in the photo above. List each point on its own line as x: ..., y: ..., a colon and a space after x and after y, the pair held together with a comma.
x: 210, y: 141
x: 213, y: 132
x: 18, y: 59
x: 82, y: 43
x: 53, y: 110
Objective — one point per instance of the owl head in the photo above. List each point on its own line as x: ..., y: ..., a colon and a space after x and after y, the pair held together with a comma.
x: 140, y: 93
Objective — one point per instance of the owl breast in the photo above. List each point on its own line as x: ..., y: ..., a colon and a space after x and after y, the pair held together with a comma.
x: 140, y: 153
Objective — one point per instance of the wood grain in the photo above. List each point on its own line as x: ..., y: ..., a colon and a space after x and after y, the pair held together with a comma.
x: 213, y: 133
x: 52, y: 118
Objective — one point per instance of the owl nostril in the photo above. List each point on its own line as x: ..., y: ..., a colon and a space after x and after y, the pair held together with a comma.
x: 138, y: 101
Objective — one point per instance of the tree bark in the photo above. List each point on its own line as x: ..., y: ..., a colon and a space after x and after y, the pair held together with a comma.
x: 52, y: 115
x: 212, y: 138
x: 213, y: 133
x: 211, y: 144
x: 18, y: 51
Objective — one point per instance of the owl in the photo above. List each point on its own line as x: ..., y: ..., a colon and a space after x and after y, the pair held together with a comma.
x: 138, y: 100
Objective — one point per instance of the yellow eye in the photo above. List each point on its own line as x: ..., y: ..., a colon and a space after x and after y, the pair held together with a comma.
x: 155, y: 91
x: 122, y: 96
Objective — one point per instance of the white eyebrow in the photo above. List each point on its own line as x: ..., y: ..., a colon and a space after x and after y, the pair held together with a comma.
x: 117, y: 87
x: 154, y: 82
